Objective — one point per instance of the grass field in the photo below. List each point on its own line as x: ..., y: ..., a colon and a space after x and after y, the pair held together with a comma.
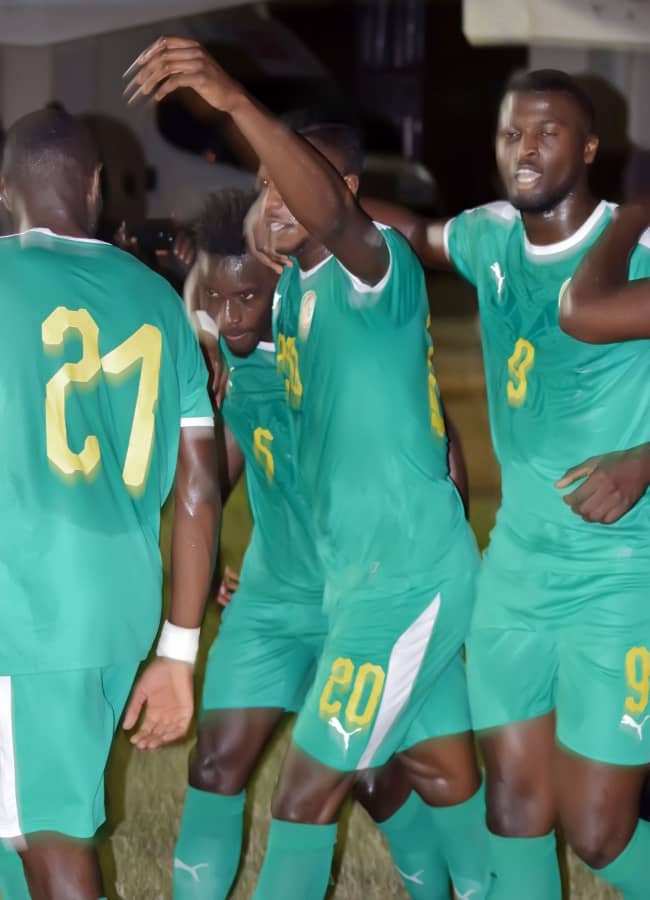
x: 146, y: 791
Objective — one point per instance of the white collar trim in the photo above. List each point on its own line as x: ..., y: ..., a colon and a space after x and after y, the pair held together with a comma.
x: 269, y: 346
x: 308, y: 272
x: 65, y: 237
x: 573, y: 240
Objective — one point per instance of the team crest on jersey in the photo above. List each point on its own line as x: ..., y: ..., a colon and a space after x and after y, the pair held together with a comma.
x: 307, y: 307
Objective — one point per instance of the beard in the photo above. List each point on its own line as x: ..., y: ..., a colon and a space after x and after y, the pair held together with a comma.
x: 546, y: 200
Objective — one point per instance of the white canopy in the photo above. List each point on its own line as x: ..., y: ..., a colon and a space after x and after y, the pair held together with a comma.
x: 41, y: 22
x: 591, y: 23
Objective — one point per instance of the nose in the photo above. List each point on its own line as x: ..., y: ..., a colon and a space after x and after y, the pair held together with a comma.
x: 232, y: 312
x: 273, y: 200
x: 528, y: 147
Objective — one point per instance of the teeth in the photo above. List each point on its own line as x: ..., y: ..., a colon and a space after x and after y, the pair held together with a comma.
x: 527, y: 176
x: 277, y: 226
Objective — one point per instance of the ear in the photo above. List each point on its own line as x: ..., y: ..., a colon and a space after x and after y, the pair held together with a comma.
x: 591, y: 148
x: 4, y: 194
x: 352, y: 182
x: 95, y: 192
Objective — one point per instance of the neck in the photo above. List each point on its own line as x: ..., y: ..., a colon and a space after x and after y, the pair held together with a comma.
x: 562, y: 221
x: 60, y: 221
x: 310, y: 254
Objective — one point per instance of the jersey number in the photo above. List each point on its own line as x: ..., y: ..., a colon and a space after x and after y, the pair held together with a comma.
x: 637, y: 674
x: 437, y: 420
x: 288, y: 365
x: 366, y: 692
x: 144, y: 346
x: 519, y: 365
x: 262, y: 440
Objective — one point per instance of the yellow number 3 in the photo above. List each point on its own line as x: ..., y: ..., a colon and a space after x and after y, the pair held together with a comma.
x: 145, y: 344
x: 519, y: 365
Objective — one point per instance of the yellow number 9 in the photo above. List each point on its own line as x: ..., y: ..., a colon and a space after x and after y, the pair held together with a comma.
x: 637, y: 673
x: 519, y: 365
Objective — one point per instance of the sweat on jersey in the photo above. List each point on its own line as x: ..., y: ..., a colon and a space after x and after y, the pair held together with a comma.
x: 553, y: 401
x: 99, y: 369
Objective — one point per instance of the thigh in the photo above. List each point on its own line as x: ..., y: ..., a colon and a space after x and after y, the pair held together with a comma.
x: 598, y: 805
x: 264, y: 655
x: 74, y: 716
x: 380, y: 663
x: 309, y: 791
x: 603, y: 695
x: 445, y: 711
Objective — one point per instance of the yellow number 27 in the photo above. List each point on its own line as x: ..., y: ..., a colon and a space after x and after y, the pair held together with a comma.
x: 144, y: 346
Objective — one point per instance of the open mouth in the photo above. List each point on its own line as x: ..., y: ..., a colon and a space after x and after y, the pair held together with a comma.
x: 526, y: 177
x: 235, y: 338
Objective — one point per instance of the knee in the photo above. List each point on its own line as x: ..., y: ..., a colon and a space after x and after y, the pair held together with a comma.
x: 517, y: 807
x: 218, y: 766
x: 598, y: 840
x: 442, y: 778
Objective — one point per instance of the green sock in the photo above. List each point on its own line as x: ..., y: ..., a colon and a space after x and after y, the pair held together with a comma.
x: 524, y: 867
x: 13, y: 884
x: 297, y: 861
x: 417, y: 856
x: 206, y: 857
x: 629, y: 871
x: 462, y: 835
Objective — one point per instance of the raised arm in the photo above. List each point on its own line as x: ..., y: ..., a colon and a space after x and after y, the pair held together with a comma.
x: 600, y: 305
x: 311, y: 188
x: 165, y: 690
x: 426, y: 236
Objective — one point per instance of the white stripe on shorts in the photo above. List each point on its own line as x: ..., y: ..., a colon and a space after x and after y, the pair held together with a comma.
x: 403, y: 668
x: 9, y: 820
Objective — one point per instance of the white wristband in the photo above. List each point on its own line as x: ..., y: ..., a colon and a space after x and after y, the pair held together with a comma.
x: 178, y: 643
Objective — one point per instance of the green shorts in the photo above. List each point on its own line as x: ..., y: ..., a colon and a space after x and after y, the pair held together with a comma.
x: 381, y: 682
x: 56, y: 731
x: 265, y: 653
x: 574, y: 643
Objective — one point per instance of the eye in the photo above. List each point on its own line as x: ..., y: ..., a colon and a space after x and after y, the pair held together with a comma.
x: 248, y: 296
x: 548, y: 132
x: 212, y: 294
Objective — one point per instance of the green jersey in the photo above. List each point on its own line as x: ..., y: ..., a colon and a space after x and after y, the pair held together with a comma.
x: 281, y: 557
x: 553, y: 401
x: 99, y: 367
x: 367, y: 423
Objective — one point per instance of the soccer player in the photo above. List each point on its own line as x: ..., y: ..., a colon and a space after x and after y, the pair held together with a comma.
x: 559, y: 652
x: 270, y: 638
x: 104, y: 402
x: 398, y: 556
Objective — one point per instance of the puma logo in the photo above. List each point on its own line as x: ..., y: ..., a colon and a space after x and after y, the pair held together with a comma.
x: 179, y: 864
x: 495, y: 268
x: 628, y: 722
x: 346, y: 735
x: 415, y: 877
x: 466, y: 895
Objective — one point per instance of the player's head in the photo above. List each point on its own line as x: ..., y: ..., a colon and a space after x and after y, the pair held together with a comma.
x: 51, y: 172
x: 234, y: 288
x: 545, y: 139
x: 341, y: 145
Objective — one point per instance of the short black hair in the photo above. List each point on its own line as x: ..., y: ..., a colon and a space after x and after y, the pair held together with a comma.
x: 51, y: 145
x: 553, y: 81
x: 220, y: 225
x: 344, y: 137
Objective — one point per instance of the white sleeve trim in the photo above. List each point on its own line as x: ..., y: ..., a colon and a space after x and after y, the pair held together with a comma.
x: 445, y: 238
x: 197, y: 421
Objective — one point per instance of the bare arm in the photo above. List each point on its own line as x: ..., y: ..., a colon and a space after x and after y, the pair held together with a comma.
x: 311, y: 188
x: 426, y: 236
x: 601, y: 306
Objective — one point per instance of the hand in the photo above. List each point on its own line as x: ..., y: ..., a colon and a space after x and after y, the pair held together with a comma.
x: 613, y: 484
x: 127, y: 242
x: 170, y: 63
x: 260, y: 238
x: 184, y: 249
x: 228, y: 586
x: 166, y: 692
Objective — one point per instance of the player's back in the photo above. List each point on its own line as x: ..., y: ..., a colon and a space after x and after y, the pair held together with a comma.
x: 281, y: 556
x: 98, y: 365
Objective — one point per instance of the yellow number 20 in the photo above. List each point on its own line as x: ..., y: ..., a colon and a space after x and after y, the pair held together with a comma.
x: 341, y: 678
x: 519, y: 365
x: 144, y: 346
x: 637, y: 674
